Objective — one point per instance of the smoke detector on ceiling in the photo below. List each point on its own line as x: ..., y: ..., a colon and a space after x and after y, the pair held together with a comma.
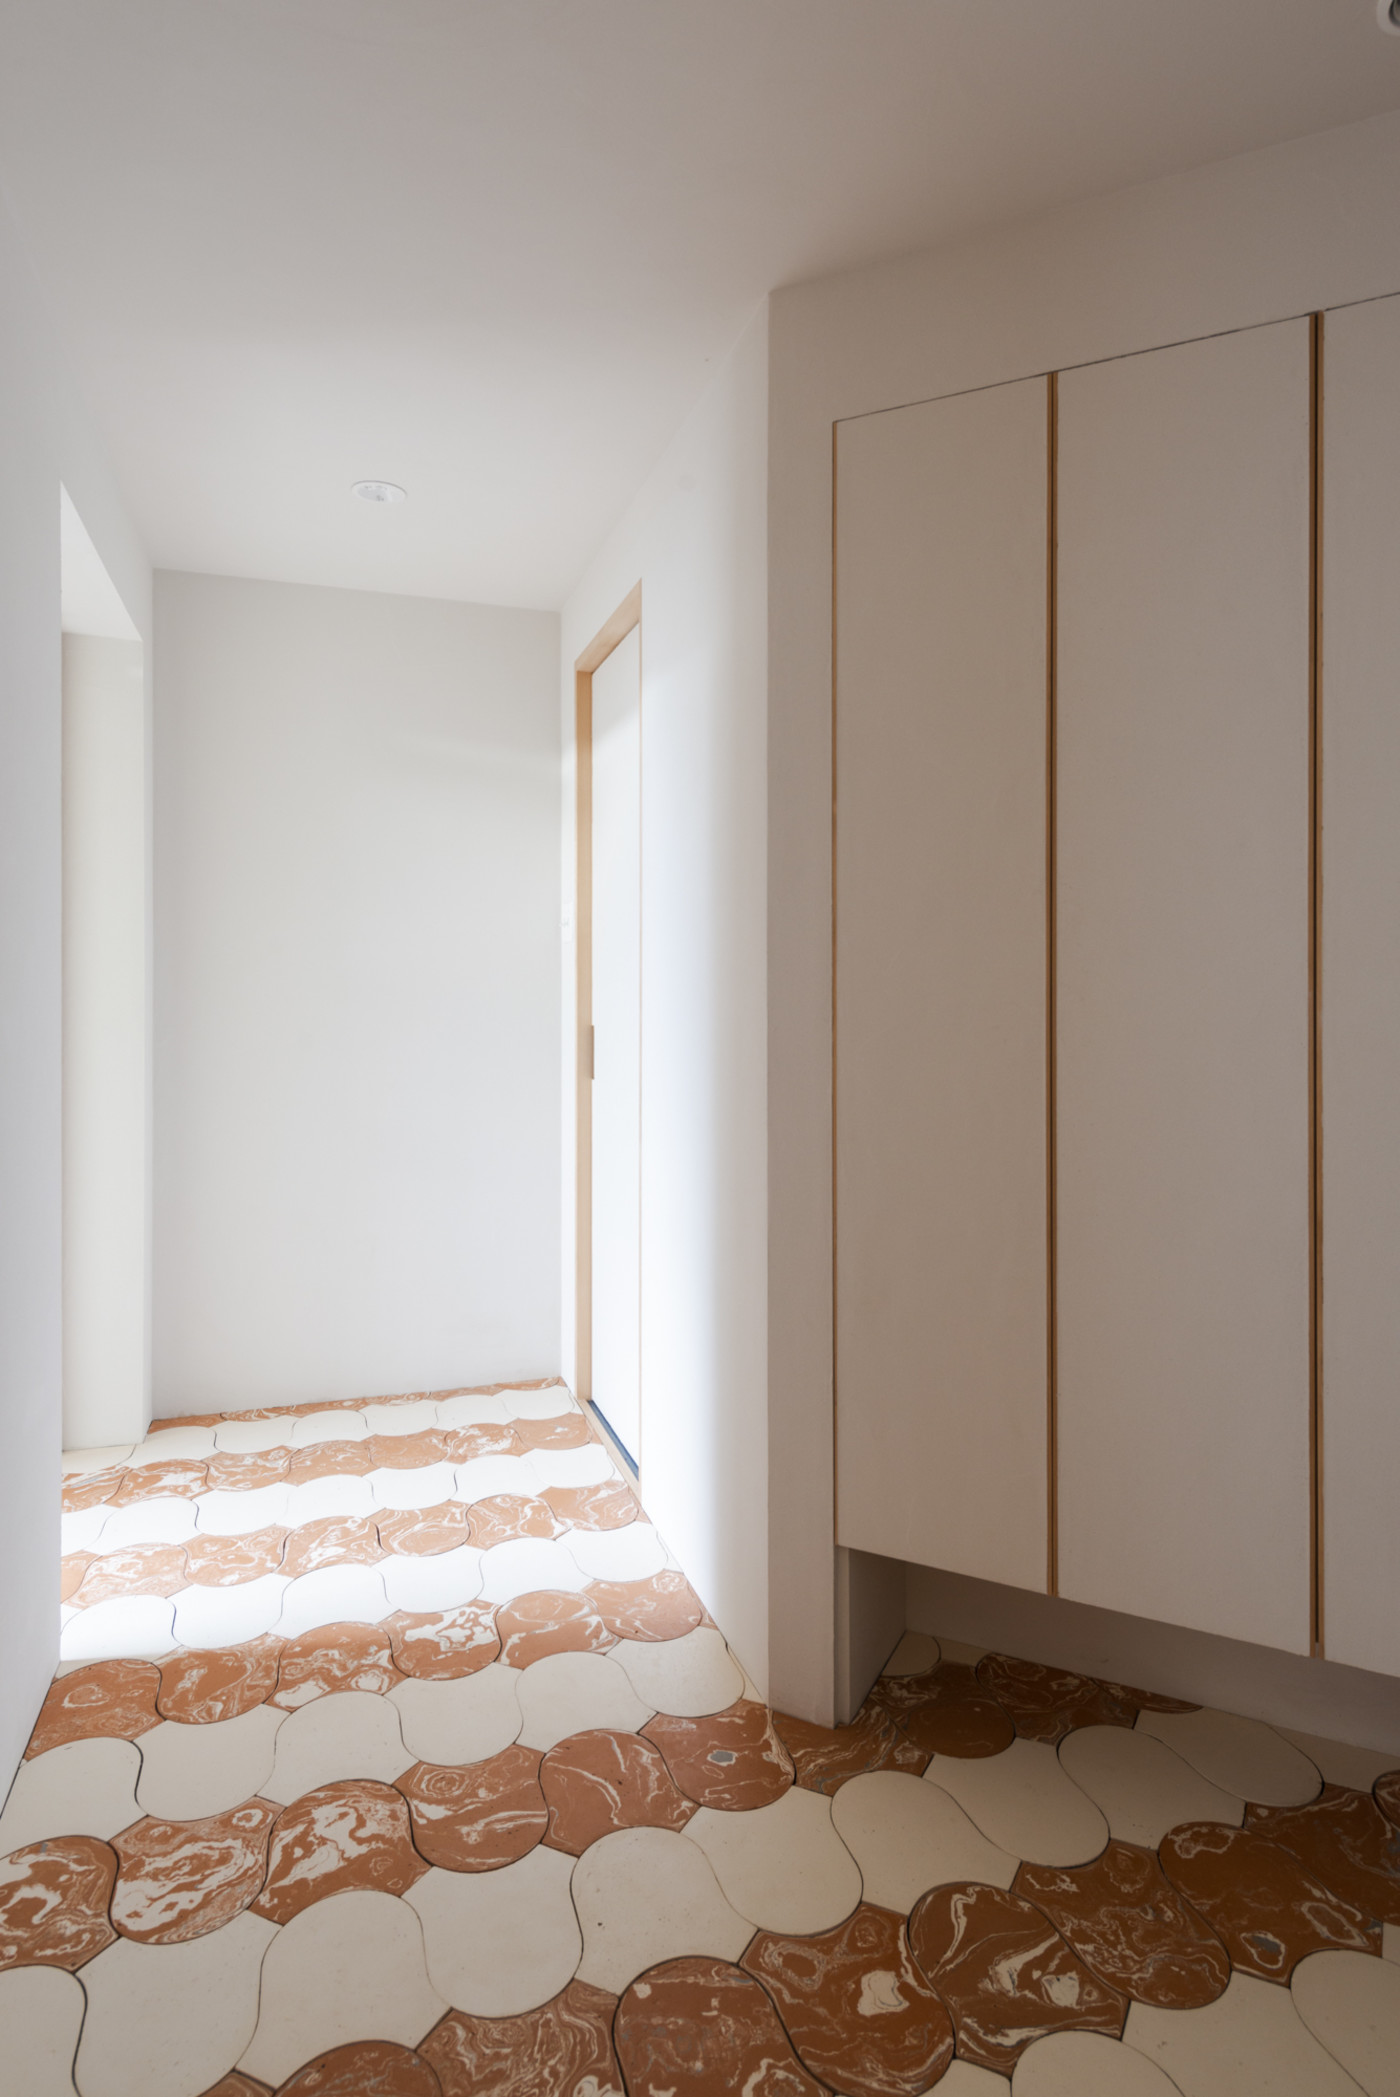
x: 389, y: 491
x: 1388, y: 15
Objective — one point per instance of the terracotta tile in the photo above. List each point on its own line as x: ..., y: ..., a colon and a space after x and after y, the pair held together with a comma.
x: 480, y: 1816
x: 607, y: 1506
x: 462, y: 1445
x: 53, y: 1902
x: 424, y: 1531
x: 860, y: 2013
x: 1131, y: 1927
x: 596, y: 1782
x: 564, y: 2049
x: 732, y: 1760
x: 181, y: 1476
x: 95, y: 1490
x: 826, y: 1756
x: 1346, y: 1843
x: 112, y: 1697
x: 141, y: 1569
x: 945, y: 1711
x: 202, y: 1688
x: 1266, y: 1909
x: 365, y: 2068
x: 351, y: 1836
x: 236, y: 2085
x: 228, y: 1561
x: 409, y: 1452
x: 440, y: 1645
x: 567, y: 1431
x: 71, y: 1569
x: 331, y: 1460
x: 230, y: 1472
x: 182, y: 1878
x: 550, y: 1621
x: 1006, y: 1974
x: 335, y: 1657
x: 1387, y: 1796
x: 663, y: 1606
x: 505, y: 1516
x: 699, y: 2027
x: 1045, y: 1703
x: 1146, y: 1699
x: 334, y: 1540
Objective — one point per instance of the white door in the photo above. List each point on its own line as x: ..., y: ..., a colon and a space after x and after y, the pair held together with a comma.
x: 617, y: 1039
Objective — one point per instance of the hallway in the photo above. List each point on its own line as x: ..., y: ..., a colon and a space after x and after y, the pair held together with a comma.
x: 391, y: 1752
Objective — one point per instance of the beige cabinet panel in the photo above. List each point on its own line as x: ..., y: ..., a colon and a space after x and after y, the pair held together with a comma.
x: 1360, y: 986
x: 940, y: 733
x: 1183, y: 992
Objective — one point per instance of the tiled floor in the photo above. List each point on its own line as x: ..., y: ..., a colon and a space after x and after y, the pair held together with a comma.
x: 392, y: 1754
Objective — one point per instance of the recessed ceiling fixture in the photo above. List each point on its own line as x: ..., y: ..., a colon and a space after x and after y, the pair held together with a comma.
x: 378, y: 491
x: 1388, y: 15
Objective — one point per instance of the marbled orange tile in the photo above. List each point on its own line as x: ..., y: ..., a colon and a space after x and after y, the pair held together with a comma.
x: 179, y: 1476
x: 188, y: 1420
x: 227, y: 1561
x: 1146, y: 1699
x: 115, y: 1697
x: 1005, y: 1973
x: 824, y: 1757
x: 1131, y: 1927
x: 94, y: 1490
x: 480, y: 1815
x: 610, y: 1505
x: 439, y: 1645
x: 182, y: 1878
x: 72, y: 1568
x: 236, y: 2085
x: 732, y: 1760
x: 365, y: 2068
x: 945, y: 1711
x: 550, y: 1621
x: 141, y: 1569
x: 461, y: 1445
x: 566, y: 1431
x: 333, y: 1540
x: 860, y: 2013
x: 53, y: 1902
x: 662, y: 1607
x: 421, y: 1532
x: 1265, y: 1908
x: 335, y: 1656
x: 704, y: 2028
x: 1346, y: 1843
x: 409, y: 1452
x: 599, y: 1781
x: 564, y: 2049
x: 1045, y: 1703
x: 200, y: 1688
x: 350, y: 1836
x: 505, y: 1516
x: 331, y: 1460
x: 1386, y: 1793
x: 233, y: 1471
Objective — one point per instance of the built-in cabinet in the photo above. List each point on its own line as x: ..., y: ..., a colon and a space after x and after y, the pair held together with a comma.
x: 1117, y: 984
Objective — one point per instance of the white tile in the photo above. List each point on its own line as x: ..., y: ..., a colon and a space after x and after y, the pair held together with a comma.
x: 350, y: 1967
x: 329, y: 1426
x: 167, y: 2020
x: 1250, y: 2042
x: 472, y: 1409
x: 128, y: 1627
x: 963, y: 2080
x: 80, y: 1530
x: 1351, y: 2005
x: 85, y: 1787
x: 500, y: 1942
x: 41, y: 2013
x: 1357, y: 1767
x: 169, y: 1442
x: 526, y: 1564
x: 783, y: 1865
x: 647, y: 1894
x: 915, y: 1654
x: 240, y: 1513
x: 188, y: 1771
x: 426, y: 1486
x: 226, y: 1616
x: 1141, y: 1786
x: 574, y: 1692
x: 80, y: 1463
x: 350, y: 1733
x: 549, y: 1404
x: 335, y: 1495
x: 685, y: 1677
x: 907, y: 1835
x: 166, y: 1521
x: 250, y: 1437
x: 436, y: 1580
x: 1023, y: 1801
x: 588, y: 1465
x: 634, y: 1552
x: 414, y: 1418
x: 1241, y: 1755
x: 333, y: 1594
x: 1087, y: 2064
x: 485, y: 1476
x: 955, y: 1649
x: 460, y: 1721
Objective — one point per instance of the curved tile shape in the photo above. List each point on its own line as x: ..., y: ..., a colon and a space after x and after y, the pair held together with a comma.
x: 333, y: 1425
x: 1130, y: 1926
x: 499, y: 1942
x: 609, y: 1505
x: 732, y: 1760
x: 166, y: 2019
x: 85, y: 1787
x: 411, y: 1452
x: 1351, y: 2006
x: 332, y: 1460
x: 82, y: 1463
x: 335, y: 1657
x: 198, y: 1688
x: 1251, y: 2043
x: 162, y: 1443
x: 150, y: 1522
x: 565, y: 2046
x: 422, y: 1532
x: 1141, y: 1786
x: 189, y: 1772
x: 183, y: 1878
x: 72, y: 1571
x: 229, y: 1561
x: 907, y: 1836
x: 1386, y: 1792
x: 439, y: 1645
x: 141, y: 1569
x: 349, y: 1733
x: 1356, y: 1768
x: 53, y: 1903
x: 349, y: 1968
x: 1045, y: 1703
x: 471, y: 1409
x: 688, y: 1677
x: 242, y: 1510
x: 444, y: 1580
x: 159, y: 1478
x: 528, y: 1564
x: 783, y: 1866
x: 463, y: 1720
x: 567, y: 1431
x: 590, y: 1465
x: 414, y: 1417
x: 504, y: 1518
x: 551, y: 1402
x: 112, y: 1697
x: 963, y: 2080
x: 916, y: 1654
x: 861, y: 2015
x: 479, y: 1477
x: 207, y: 1617
x: 664, y: 1606
x: 594, y: 1783
x: 633, y: 1552
x: 229, y: 1472
x: 331, y: 1540
x: 1241, y: 1755
x: 80, y: 1494
x: 645, y: 1895
x: 576, y: 1693
x: 1346, y: 1843
x: 826, y: 1757
x: 1024, y: 1802
x: 353, y: 1835
x: 247, y: 1437
x: 137, y: 1629
x: 535, y: 1626
x: 478, y: 1818
x: 698, y: 2025
x: 365, y: 2068
x: 41, y: 2014
x: 332, y: 1493
x: 81, y: 1529
x: 945, y: 1712
x: 337, y: 1594
x: 1086, y: 2064
x: 418, y: 1486
x: 1265, y: 1908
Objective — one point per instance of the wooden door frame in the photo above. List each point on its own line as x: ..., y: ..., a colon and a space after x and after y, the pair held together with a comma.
x: 608, y: 637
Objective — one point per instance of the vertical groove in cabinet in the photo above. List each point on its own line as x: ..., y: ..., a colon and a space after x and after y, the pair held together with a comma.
x: 1052, y: 1526
x: 835, y: 1395
x: 1315, y: 1444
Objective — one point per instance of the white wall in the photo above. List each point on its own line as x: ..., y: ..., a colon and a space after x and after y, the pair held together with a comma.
x: 1269, y: 234
x: 695, y: 538
x: 357, y: 994
x: 46, y: 442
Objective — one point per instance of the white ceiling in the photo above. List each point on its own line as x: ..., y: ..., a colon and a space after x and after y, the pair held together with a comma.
x: 490, y: 248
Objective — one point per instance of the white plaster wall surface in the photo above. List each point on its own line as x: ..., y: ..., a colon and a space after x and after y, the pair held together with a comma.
x: 357, y: 868
x: 695, y: 539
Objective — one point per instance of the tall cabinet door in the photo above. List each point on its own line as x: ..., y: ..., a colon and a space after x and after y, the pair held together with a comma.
x: 940, y: 1019
x: 1360, y: 986
x: 1183, y: 1242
